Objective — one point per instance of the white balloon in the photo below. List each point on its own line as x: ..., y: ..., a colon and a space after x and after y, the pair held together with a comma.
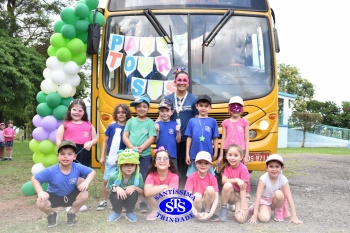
x: 53, y: 63
x: 46, y: 73
x: 73, y: 92
x: 71, y: 68
x: 73, y: 80
x: 38, y: 167
x: 65, y: 90
x: 58, y: 77
x: 48, y: 86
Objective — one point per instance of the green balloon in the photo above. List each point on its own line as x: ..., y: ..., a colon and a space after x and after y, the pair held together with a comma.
x: 68, y: 16
x: 58, y: 41
x: 37, y: 156
x: 53, y: 99
x: 45, y: 147
x: 41, y: 97
x: 66, y: 101
x: 51, y: 50
x: 81, y: 11
x: 69, y: 31
x: 34, y: 145
x: 58, y: 26
x: 59, y: 112
x: 82, y: 36
x: 43, y: 110
x: 92, y: 4
x: 100, y: 19
x: 75, y: 46
x: 49, y: 160
x: 63, y: 54
x: 28, y: 189
x: 82, y: 25
x: 80, y: 2
x: 80, y: 58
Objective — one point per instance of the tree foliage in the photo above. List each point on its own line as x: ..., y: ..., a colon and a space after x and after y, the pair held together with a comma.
x: 306, y: 120
x: 21, y: 74
x: 291, y: 82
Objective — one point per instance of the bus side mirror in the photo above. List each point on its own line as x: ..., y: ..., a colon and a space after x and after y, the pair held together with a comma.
x: 93, y: 40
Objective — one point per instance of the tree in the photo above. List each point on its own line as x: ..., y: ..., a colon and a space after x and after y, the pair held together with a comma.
x: 306, y: 120
x: 21, y: 70
x: 291, y: 82
x: 29, y: 19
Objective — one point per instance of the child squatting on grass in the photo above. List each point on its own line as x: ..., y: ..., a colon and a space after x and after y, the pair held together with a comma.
x: 272, y: 193
x: 63, y: 189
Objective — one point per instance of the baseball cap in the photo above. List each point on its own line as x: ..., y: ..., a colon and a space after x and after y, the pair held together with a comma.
x: 67, y: 143
x: 204, y: 98
x: 236, y: 99
x: 139, y: 100
x: 166, y: 103
x: 275, y: 157
x: 203, y: 155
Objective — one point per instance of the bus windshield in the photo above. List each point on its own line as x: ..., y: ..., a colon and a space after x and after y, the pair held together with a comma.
x: 237, y: 61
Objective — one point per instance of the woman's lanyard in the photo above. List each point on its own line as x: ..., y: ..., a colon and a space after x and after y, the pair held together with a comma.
x: 178, y: 107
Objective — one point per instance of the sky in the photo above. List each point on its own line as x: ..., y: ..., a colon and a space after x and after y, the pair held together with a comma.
x: 314, y: 37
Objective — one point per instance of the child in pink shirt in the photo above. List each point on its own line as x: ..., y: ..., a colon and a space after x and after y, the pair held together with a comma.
x: 236, y: 184
x: 9, y: 135
x: 204, y: 186
x: 161, y: 175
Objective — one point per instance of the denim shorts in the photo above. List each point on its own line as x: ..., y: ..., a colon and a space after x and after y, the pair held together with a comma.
x: 109, y: 170
x: 9, y: 144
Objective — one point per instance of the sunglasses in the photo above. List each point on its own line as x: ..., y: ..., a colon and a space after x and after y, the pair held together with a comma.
x: 236, y: 108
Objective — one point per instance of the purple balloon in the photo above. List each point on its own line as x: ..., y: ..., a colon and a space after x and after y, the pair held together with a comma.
x: 49, y: 123
x: 40, y: 134
x: 37, y: 120
x: 52, y: 136
x: 59, y: 123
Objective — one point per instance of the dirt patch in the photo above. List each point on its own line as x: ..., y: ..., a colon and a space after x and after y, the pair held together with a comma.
x: 320, y: 187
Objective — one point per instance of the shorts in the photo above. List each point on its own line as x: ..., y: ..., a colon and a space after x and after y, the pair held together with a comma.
x: 57, y: 201
x: 145, y: 161
x: 84, y: 156
x: 109, y: 170
x: 268, y: 201
x: 238, y: 197
x: 2, y: 144
x: 9, y: 143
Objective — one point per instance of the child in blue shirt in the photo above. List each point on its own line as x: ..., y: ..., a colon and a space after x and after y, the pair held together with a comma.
x: 202, y: 133
x: 168, y: 131
x: 63, y: 189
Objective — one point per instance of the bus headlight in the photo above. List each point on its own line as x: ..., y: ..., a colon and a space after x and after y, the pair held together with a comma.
x: 252, y: 134
x: 264, y: 125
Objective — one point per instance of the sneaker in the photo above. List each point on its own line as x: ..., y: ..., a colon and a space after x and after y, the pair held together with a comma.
x: 152, y: 216
x: 10, y: 159
x: 278, y: 215
x: 214, y: 218
x: 52, y: 220
x: 71, y: 220
x: 144, y: 207
x: 4, y: 159
x: 231, y: 208
x: 114, y: 216
x: 102, y: 205
x: 131, y: 217
x: 223, y: 214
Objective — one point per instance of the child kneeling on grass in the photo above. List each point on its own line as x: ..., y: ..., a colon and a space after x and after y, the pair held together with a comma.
x: 63, y: 189
x: 126, y: 184
x: 204, y: 186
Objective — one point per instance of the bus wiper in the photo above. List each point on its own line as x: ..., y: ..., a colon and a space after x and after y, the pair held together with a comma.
x: 215, y: 30
x: 157, y: 26
x: 218, y: 27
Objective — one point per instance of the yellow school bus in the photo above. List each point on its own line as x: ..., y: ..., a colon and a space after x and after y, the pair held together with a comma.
x: 227, y: 46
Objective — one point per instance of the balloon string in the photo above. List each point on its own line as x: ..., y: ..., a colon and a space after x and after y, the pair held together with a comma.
x: 80, y: 150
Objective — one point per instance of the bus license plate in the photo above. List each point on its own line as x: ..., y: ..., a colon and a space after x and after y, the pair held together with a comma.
x: 258, y: 156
